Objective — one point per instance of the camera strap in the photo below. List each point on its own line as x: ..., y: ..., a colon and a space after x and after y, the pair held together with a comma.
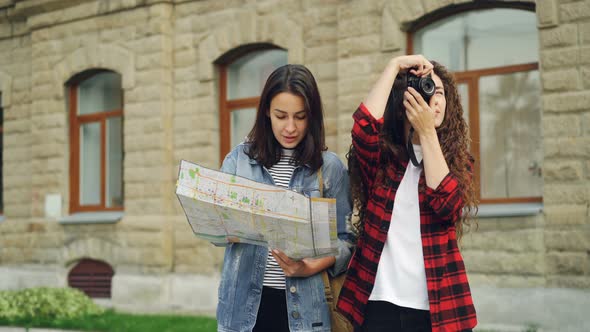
x: 410, y: 148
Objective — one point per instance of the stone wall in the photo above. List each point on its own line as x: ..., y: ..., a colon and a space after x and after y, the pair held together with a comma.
x: 15, y: 85
x: 564, y: 29
x: 59, y: 41
x: 166, y: 52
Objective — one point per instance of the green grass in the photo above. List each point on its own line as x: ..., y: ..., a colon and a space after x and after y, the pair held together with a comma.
x: 122, y: 322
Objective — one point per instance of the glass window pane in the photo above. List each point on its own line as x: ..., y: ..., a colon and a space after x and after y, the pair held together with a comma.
x: 247, y: 75
x: 510, y: 135
x: 463, y: 90
x: 242, y: 122
x: 481, y: 39
x: 90, y: 164
x: 114, y: 162
x: 101, y: 92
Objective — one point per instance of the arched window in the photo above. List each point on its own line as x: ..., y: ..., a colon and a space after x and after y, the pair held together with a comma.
x: 241, y: 79
x: 92, y: 277
x: 96, y: 141
x: 494, y: 56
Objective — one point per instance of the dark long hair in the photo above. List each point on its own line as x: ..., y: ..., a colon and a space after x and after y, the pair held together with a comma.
x: 453, y: 136
x: 264, y: 148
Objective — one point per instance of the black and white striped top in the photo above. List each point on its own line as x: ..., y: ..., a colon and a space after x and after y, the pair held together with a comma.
x: 281, y: 173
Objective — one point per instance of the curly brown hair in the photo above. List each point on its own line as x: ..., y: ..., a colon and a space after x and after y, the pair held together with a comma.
x: 454, y: 139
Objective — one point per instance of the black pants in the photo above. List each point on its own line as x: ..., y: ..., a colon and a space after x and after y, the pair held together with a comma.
x: 272, y: 313
x: 381, y: 316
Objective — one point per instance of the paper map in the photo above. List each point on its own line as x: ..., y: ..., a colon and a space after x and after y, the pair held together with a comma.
x: 221, y: 208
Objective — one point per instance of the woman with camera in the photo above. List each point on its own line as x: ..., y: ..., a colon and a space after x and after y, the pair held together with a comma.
x: 411, y: 181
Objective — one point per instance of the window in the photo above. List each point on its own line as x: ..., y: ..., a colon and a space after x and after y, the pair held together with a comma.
x: 241, y: 80
x: 96, y: 146
x: 494, y: 55
x: 92, y: 277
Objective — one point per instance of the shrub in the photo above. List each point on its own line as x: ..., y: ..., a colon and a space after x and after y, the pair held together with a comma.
x: 47, y: 303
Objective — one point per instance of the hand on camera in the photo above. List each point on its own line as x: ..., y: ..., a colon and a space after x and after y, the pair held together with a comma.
x: 419, y: 113
x: 416, y: 64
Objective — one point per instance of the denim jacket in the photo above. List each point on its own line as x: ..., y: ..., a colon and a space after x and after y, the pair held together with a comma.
x: 244, y: 264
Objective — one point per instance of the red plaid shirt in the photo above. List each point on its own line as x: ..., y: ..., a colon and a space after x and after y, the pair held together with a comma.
x: 451, y: 306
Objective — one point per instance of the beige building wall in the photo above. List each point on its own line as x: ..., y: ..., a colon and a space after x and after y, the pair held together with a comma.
x: 166, y: 51
x: 565, y: 60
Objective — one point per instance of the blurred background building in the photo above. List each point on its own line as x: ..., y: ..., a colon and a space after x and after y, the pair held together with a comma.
x: 100, y: 99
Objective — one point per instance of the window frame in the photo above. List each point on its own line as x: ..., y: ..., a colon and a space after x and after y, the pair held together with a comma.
x: 471, y: 79
x: 75, y: 123
x: 226, y: 107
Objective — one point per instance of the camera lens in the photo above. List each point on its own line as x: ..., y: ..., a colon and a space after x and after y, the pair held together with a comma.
x: 427, y: 85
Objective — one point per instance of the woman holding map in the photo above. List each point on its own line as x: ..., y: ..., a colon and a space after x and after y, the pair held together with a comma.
x: 261, y: 288
x: 411, y: 179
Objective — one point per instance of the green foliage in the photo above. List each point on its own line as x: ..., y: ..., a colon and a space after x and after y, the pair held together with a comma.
x: 46, y: 303
x: 111, y: 321
x: 67, y: 308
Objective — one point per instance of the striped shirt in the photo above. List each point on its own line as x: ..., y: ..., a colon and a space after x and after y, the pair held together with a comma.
x: 281, y: 174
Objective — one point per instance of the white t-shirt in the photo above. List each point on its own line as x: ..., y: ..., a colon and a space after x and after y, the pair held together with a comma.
x: 401, y: 277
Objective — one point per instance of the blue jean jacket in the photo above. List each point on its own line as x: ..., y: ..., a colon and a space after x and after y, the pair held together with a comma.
x: 244, y: 264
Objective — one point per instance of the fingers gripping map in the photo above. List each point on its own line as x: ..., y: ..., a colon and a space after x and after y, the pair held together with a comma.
x: 225, y: 208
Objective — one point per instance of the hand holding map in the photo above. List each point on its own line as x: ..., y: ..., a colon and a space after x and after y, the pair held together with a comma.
x: 225, y: 208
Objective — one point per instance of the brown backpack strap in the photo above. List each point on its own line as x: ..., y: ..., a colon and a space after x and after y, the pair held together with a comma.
x: 328, y: 288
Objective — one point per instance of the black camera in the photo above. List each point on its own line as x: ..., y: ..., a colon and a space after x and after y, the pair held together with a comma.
x: 423, y: 84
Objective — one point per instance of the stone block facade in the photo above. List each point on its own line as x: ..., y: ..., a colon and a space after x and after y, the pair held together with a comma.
x: 166, y: 53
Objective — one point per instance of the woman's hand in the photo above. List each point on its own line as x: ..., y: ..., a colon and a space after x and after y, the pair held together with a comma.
x: 303, y: 268
x: 376, y: 100
x: 417, y: 64
x: 421, y: 117
x: 419, y: 113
